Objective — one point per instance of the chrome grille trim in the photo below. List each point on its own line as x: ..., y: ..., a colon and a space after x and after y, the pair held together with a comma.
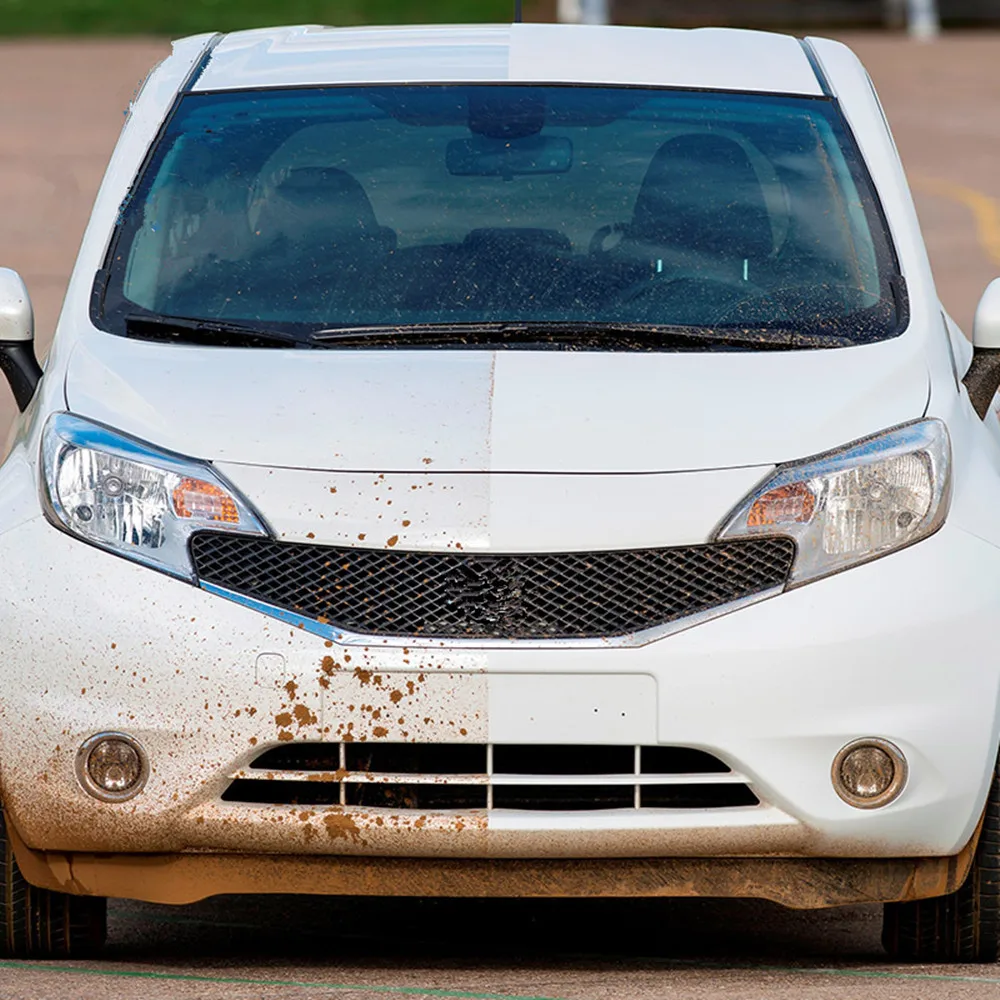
x: 633, y: 640
x: 542, y: 780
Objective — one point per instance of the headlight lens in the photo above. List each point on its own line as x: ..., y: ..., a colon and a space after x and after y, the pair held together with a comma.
x: 856, y: 503
x: 131, y: 498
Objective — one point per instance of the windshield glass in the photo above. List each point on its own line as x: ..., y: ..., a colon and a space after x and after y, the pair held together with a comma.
x: 308, y: 209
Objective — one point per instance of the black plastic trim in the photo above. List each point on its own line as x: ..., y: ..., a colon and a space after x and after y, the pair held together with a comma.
x: 983, y: 379
x: 21, y: 368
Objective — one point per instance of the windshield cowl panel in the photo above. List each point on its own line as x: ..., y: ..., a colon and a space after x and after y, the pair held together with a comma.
x: 503, y: 216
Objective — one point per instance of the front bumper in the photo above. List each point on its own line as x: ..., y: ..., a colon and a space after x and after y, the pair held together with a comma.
x: 801, y: 883
x: 895, y: 649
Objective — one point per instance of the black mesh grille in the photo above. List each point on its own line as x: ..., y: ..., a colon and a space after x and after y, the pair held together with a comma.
x: 460, y: 595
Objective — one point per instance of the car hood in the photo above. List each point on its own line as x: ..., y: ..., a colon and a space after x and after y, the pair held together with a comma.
x: 393, y: 410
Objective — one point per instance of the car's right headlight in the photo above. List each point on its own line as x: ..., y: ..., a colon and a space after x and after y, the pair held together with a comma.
x: 853, y: 504
x: 132, y: 498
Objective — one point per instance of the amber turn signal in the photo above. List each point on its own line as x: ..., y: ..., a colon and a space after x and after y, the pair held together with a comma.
x: 206, y: 501
x: 790, y: 504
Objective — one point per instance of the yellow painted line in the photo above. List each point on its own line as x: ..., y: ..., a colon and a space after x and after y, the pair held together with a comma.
x: 985, y: 209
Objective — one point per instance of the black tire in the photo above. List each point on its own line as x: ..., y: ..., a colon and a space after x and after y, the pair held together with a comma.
x: 963, y: 926
x: 39, y: 923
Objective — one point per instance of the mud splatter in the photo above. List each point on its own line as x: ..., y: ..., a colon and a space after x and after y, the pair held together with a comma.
x: 303, y: 716
x: 340, y: 826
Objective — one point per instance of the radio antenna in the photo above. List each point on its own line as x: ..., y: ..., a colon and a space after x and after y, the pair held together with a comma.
x: 517, y: 12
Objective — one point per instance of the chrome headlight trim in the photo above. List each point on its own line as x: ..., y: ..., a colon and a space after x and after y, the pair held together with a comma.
x: 821, y: 502
x: 65, y: 435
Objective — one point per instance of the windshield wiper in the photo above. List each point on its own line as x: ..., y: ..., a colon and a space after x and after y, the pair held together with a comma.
x: 565, y: 335
x: 585, y: 334
x: 207, y: 332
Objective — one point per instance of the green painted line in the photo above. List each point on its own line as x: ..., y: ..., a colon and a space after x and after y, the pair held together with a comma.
x: 418, y: 991
x: 804, y: 970
x: 413, y: 991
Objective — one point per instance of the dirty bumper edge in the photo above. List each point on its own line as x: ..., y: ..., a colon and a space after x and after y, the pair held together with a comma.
x: 801, y: 883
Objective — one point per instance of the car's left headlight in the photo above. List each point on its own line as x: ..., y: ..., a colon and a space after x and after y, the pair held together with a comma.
x: 855, y: 504
x: 132, y: 498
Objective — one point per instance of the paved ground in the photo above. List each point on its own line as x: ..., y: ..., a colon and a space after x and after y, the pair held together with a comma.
x: 59, y: 114
x: 241, y: 949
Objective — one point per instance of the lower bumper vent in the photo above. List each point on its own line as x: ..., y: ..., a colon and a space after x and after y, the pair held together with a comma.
x: 429, y: 776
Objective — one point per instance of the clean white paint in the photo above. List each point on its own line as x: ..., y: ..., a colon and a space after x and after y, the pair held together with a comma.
x: 517, y: 411
x: 572, y: 708
x: 711, y: 58
x: 986, y: 325
x: 437, y: 512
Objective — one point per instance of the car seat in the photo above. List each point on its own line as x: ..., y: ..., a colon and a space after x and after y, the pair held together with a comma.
x: 321, y: 217
x: 702, y: 199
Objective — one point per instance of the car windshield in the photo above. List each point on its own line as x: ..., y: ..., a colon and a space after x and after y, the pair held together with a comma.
x: 301, y: 210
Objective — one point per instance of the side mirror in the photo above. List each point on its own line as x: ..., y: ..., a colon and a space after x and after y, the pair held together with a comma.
x: 17, y: 338
x: 983, y: 377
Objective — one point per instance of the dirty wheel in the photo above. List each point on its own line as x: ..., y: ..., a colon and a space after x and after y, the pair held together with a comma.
x: 963, y: 926
x: 39, y: 923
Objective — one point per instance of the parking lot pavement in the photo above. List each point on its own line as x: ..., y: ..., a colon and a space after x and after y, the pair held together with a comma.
x: 244, y: 949
x: 61, y: 111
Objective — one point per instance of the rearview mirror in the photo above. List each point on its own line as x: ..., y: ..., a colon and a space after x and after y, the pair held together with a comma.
x: 17, y: 338
x: 483, y: 156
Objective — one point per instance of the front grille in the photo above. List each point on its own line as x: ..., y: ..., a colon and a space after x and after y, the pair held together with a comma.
x: 443, y: 776
x: 472, y: 596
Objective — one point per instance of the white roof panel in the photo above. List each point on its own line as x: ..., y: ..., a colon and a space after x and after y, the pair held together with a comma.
x: 708, y: 58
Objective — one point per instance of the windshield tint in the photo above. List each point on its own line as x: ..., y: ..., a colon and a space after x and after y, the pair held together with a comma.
x: 315, y: 208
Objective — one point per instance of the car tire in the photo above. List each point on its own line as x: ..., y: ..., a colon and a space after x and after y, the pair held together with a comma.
x: 963, y: 926
x: 40, y: 923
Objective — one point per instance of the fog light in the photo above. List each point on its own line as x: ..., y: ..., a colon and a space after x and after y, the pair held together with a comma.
x: 112, y: 766
x: 869, y: 773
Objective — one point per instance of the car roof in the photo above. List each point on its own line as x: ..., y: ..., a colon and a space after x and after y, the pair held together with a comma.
x: 706, y: 58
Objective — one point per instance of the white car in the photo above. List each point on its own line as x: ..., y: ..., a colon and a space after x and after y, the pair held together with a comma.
x: 518, y: 460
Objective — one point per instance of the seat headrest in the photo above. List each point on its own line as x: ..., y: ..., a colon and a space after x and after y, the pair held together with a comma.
x: 314, y: 204
x: 701, y: 194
